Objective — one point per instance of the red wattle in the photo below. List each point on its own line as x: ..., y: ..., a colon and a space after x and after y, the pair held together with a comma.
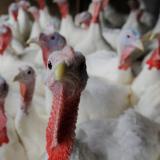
x: 154, y: 60
x: 26, y: 95
x: 41, y: 4
x: 45, y: 56
x: 3, y: 136
x: 3, y: 130
x: 60, y: 132
x: 124, y: 59
x: 5, y: 40
x: 15, y: 15
x: 64, y: 9
x: 97, y: 10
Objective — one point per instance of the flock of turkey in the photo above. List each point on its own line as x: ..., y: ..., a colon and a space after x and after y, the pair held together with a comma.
x: 77, y: 89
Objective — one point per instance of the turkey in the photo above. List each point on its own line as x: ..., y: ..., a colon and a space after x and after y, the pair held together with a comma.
x: 48, y: 23
x: 93, y: 40
x: 13, y: 22
x: 148, y: 76
x: 67, y: 27
x: 139, y: 18
x: 23, y: 19
x: 98, y: 92
x: 48, y: 44
x: 36, y: 28
x: 8, y: 67
x: 130, y: 137
x: 10, y: 145
x: 117, y: 67
x: 83, y: 19
x: 149, y: 104
x: 31, y: 119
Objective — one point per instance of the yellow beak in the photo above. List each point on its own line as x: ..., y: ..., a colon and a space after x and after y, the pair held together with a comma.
x: 59, y: 71
x: 17, y: 77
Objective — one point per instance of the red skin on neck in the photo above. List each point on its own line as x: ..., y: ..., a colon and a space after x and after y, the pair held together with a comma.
x: 26, y: 95
x: 124, y: 59
x: 60, y: 133
x: 154, y: 60
x: 45, y: 54
x: 64, y: 9
x: 97, y: 10
x: 42, y: 4
x: 3, y: 126
x: 15, y: 15
x: 87, y: 24
x: 5, y: 40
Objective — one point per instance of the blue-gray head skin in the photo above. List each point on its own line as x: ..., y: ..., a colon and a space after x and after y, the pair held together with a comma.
x: 68, y: 67
x: 83, y: 18
x: 4, y: 88
x: 50, y: 43
x: 25, y: 4
x: 53, y: 41
x: 129, y: 40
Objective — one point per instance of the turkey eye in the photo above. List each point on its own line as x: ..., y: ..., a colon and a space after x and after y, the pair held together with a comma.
x: 128, y: 36
x: 49, y: 65
x: 29, y: 72
x: 82, y: 66
x: 53, y: 37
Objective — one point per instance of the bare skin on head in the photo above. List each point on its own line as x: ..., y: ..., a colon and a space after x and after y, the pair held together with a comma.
x: 50, y: 43
x: 83, y: 19
x: 67, y: 77
x: 26, y: 78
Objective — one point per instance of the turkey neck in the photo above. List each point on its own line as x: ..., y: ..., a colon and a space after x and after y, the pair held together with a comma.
x: 14, y: 15
x: 123, y: 57
x: 41, y: 4
x: 60, y: 133
x: 45, y: 56
x: 26, y: 91
x: 97, y: 10
x: 64, y: 9
x: 4, y: 43
x: 3, y: 125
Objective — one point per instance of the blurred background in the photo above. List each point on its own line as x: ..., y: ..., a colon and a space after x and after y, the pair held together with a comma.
x: 76, y: 6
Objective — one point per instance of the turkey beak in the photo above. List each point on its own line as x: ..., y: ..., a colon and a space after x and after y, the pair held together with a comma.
x: 138, y: 44
x: 154, y: 36
x: 146, y: 37
x: 35, y: 41
x: 17, y: 77
x: 59, y: 71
